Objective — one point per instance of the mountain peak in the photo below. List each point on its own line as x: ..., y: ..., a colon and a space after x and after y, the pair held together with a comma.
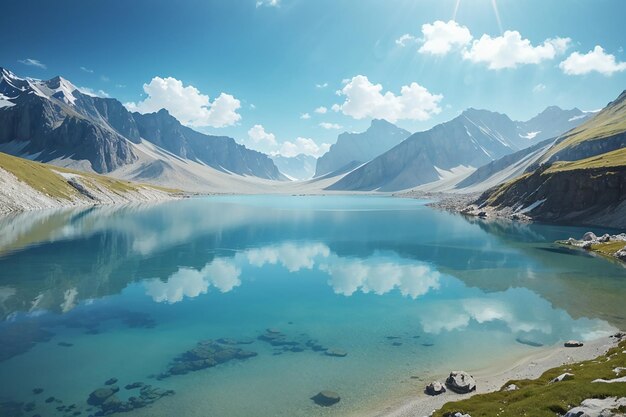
x: 381, y: 123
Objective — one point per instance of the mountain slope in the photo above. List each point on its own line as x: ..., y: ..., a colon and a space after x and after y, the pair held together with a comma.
x: 52, y: 121
x: 26, y: 185
x: 219, y: 152
x: 474, y: 138
x: 299, y: 167
x: 580, y: 179
x: 451, y: 149
x: 360, y: 147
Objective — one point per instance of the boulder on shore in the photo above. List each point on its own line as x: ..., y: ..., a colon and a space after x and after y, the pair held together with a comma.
x: 461, y: 382
x: 573, y: 343
x: 326, y: 398
x: 589, y: 236
x: 435, y: 388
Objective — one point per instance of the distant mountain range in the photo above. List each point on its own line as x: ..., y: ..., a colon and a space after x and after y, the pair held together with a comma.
x: 300, y: 167
x: 52, y: 121
x: 358, y: 148
x: 473, y: 139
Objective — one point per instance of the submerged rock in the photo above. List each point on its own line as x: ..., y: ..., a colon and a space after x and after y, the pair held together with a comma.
x: 528, y: 342
x: 461, y: 382
x: 37, y: 391
x: 206, y: 354
x: 326, y: 398
x: 435, y: 388
x: 336, y: 352
x: 110, y: 381
x: 98, y: 396
x: 573, y: 343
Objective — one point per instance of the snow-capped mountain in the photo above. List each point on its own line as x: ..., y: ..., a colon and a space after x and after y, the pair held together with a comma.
x: 471, y: 140
x: 53, y: 121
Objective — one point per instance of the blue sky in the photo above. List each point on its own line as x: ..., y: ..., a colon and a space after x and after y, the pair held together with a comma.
x: 271, y: 61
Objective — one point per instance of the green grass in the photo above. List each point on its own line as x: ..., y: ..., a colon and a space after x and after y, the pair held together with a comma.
x: 539, y: 398
x: 46, y: 178
x: 609, y: 122
x: 608, y: 248
x: 612, y: 159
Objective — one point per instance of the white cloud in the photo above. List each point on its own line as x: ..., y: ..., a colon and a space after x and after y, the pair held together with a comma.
x: 366, y: 100
x: 187, y: 104
x: 539, y: 88
x: 510, y: 50
x: 252, y: 106
x: 405, y: 39
x: 269, y: 3
x: 303, y: 145
x: 321, y: 110
x: 87, y: 70
x: 258, y: 135
x: 596, y: 60
x: 305, y: 116
x: 94, y: 93
x: 330, y: 126
x: 440, y: 37
x: 336, y: 107
x: 323, y: 85
x: 33, y: 63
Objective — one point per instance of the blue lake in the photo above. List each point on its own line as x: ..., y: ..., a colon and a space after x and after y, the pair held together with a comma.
x: 405, y: 292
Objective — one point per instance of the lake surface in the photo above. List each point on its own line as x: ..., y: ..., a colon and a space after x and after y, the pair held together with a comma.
x: 406, y: 292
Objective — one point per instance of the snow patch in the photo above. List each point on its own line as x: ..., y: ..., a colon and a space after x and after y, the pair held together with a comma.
x: 531, y: 207
x: 4, y: 101
x: 582, y: 116
x: 532, y: 135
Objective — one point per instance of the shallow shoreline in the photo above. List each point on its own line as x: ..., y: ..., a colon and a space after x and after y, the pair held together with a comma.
x: 494, y: 377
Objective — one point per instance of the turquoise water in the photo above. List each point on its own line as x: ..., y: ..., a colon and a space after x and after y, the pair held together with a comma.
x: 406, y: 291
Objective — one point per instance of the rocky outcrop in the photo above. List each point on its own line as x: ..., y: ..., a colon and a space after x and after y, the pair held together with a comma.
x: 585, y: 196
x: 598, y: 407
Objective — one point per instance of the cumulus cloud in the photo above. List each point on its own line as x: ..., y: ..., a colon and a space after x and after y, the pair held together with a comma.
x: 323, y: 85
x: 94, y: 93
x: 258, y: 134
x: 305, y: 116
x: 269, y: 3
x: 596, y: 60
x: 321, y: 110
x: 511, y: 50
x: 330, y: 126
x: 187, y: 104
x: 367, y: 100
x: 405, y: 39
x: 539, y: 88
x: 440, y: 37
x: 33, y: 63
x: 303, y: 145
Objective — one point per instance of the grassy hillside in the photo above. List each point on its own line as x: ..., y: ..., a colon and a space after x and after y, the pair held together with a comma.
x: 607, y: 160
x: 48, y: 180
x: 540, y: 398
x: 608, y: 122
